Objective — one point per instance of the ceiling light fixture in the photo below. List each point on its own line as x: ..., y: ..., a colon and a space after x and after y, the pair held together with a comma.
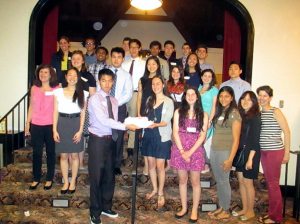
x: 146, y: 4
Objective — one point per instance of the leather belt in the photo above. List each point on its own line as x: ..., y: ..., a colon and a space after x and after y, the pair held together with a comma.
x: 69, y: 115
x: 107, y: 137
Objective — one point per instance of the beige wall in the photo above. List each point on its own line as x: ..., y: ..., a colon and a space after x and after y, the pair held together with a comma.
x: 276, y: 60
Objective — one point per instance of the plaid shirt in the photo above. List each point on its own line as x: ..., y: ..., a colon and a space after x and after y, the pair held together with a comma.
x: 96, y: 67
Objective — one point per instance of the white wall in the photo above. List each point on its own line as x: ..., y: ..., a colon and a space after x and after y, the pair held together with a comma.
x: 276, y: 59
x: 14, y: 26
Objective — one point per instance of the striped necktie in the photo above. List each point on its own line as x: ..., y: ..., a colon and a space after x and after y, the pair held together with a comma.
x: 113, y: 89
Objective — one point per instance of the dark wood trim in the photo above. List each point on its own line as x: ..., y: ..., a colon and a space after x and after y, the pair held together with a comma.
x: 146, y: 17
x: 40, y: 11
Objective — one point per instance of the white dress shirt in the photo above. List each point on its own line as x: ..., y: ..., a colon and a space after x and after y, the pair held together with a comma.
x: 124, y: 87
x: 138, y: 70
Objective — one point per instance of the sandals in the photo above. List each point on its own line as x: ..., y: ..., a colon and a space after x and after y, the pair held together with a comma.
x: 151, y: 195
x: 223, y: 215
x: 215, y: 212
x: 266, y: 220
x: 161, y: 201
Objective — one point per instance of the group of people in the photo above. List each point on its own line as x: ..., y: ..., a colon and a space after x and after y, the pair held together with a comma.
x: 194, y: 126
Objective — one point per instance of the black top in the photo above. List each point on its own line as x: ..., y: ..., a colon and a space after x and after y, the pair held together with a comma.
x: 251, y: 140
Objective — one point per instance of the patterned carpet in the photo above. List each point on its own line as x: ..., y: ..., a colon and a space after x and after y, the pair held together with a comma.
x: 15, y: 198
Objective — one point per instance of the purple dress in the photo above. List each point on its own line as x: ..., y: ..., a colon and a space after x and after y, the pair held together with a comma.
x: 188, y: 139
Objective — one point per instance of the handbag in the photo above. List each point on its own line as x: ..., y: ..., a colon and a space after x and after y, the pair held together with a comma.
x: 239, y: 159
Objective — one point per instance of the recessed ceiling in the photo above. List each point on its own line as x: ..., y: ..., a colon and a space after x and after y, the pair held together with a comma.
x: 197, y: 20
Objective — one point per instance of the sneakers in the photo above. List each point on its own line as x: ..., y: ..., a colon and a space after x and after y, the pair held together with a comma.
x: 110, y: 213
x: 94, y: 220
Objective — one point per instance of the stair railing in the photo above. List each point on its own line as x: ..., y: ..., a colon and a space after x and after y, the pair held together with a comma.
x: 12, y: 129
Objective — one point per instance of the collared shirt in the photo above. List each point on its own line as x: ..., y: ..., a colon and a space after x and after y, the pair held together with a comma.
x: 100, y: 123
x: 206, y: 66
x: 95, y: 68
x: 238, y: 85
x: 138, y: 70
x: 124, y: 87
x: 90, y: 59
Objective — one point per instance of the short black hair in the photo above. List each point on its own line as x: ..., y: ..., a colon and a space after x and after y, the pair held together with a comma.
x: 118, y: 50
x: 169, y: 42
x: 135, y: 41
x: 155, y: 43
x: 106, y: 71
x: 236, y: 63
x: 186, y: 44
x: 202, y: 46
x: 102, y: 48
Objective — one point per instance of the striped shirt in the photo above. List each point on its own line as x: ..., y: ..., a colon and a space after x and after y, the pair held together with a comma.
x: 270, y: 135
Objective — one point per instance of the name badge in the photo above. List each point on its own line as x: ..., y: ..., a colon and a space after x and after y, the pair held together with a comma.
x: 84, y: 79
x: 163, y: 111
x: 187, y: 77
x: 49, y: 93
x: 191, y: 129
x: 221, y: 118
x: 173, y: 63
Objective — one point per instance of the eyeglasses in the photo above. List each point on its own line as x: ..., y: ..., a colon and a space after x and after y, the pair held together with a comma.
x: 88, y: 44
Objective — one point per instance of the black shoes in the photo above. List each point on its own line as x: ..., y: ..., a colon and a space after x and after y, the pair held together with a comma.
x: 181, y: 216
x: 130, y: 152
x: 110, y: 213
x: 193, y: 220
x: 94, y: 220
x: 33, y: 187
x: 48, y: 187
x: 71, y: 191
x: 117, y: 171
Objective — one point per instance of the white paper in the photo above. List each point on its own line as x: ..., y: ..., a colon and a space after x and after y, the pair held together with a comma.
x: 141, y: 122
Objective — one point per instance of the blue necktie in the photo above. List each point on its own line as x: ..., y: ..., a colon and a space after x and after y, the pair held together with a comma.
x: 113, y: 89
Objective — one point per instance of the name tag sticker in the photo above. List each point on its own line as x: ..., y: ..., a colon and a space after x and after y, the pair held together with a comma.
x: 191, y: 129
x: 84, y: 79
x: 187, y: 77
x: 49, y: 93
x: 163, y: 111
x: 173, y: 63
x: 221, y: 118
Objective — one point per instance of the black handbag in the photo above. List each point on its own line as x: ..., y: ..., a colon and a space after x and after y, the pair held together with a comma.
x: 240, y: 156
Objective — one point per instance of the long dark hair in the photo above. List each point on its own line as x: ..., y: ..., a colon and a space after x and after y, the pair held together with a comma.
x: 78, y: 94
x: 213, y: 76
x: 187, y: 67
x: 152, y: 99
x: 254, y: 110
x: 60, y: 53
x: 147, y: 72
x: 53, y: 78
x: 198, y: 109
x: 181, y: 78
x: 220, y: 109
x: 83, y: 67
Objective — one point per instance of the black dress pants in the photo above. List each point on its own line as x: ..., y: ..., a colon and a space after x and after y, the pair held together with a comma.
x: 119, y: 144
x: 102, y: 178
x: 40, y: 135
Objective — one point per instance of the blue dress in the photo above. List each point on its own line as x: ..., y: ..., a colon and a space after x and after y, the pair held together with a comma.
x: 151, y: 143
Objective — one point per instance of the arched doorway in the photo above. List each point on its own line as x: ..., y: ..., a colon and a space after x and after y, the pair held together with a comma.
x: 43, y: 7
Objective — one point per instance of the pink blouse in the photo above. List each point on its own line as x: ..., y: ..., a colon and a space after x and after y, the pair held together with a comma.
x: 42, y: 106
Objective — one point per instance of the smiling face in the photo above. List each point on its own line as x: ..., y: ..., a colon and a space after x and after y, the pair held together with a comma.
x: 201, y: 53
x: 206, y: 78
x: 77, y: 61
x: 157, y: 85
x: 225, y: 99
x: 90, y: 45
x: 154, y: 50
x: 175, y: 74
x: 246, y: 103
x: 264, y: 99
x: 186, y: 50
x: 152, y: 66
x: 101, y: 55
x: 106, y: 82
x: 134, y: 49
x: 192, y: 60
x: 64, y: 45
x: 71, y: 77
x: 44, y: 75
x: 191, y: 96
